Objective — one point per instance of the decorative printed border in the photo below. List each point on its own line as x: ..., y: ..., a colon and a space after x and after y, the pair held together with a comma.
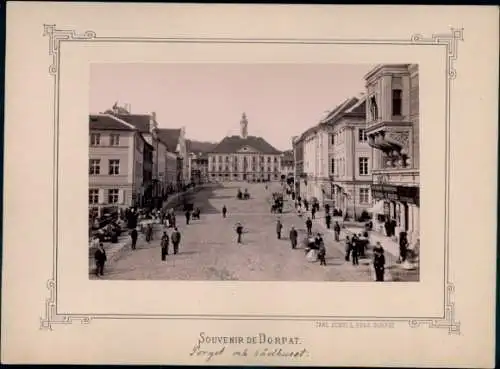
x: 450, y: 43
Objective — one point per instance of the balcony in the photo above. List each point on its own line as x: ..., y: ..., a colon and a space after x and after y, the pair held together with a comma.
x: 393, y: 139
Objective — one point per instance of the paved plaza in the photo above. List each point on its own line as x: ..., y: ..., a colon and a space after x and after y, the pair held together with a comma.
x: 209, y: 251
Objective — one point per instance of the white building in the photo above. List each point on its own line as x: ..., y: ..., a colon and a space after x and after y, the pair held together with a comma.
x: 244, y: 158
x: 116, y: 164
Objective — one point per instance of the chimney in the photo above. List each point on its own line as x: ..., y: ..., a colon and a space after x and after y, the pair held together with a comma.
x: 153, y: 124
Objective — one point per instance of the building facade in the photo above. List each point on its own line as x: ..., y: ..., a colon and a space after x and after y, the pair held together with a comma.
x: 349, y: 159
x: 298, y: 163
x: 392, y: 127
x: 244, y: 158
x: 287, y: 163
x: 116, y: 164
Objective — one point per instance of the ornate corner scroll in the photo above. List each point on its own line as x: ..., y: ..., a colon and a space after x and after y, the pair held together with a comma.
x: 450, y: 40
x: 51, y: 317
x: 448, y: 322
x: 58, y: 35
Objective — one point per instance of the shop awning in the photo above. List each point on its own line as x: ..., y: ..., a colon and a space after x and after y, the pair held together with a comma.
x: 377, y: 208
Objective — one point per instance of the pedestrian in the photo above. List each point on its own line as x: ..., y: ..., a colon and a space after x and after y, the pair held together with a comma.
x: 328, y: 220
x: 279, y: 226
x: 239, y: 231
x: 322, y: 253
x: 309, y: 225
x: 293, y: 237
x: 379, y: 262
x: 224, y: 211
x: 348, y: 247
x: 100, y: 259
x: 336, y: 229
x: 306, y: 205
x: 176, y: 240
x: 355, y: 250
x: 149, y: 233
x: 188, y: 216
x: 327, y: 209
x: 403, y: 246
x: 133, y: 235
x: 313, y: 212
x: 164, y: 246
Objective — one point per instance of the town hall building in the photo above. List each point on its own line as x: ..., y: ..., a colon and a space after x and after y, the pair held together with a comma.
x: 244, y: 158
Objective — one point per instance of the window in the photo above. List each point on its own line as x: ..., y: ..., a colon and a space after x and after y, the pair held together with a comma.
x: 227, y: 159
x: 93, y: 196
x: 113, y: 196
x: 114, y: 167
x: 363, y: 166
x: 364, y: 196
x: 332, y: 139
x: 333, y: 165
x: 95, y: 139
x: 275, y: 159
x: 396, y: 101
x: 94, y: 166
x: 114, y: 140
x: 362, y: 135
x: 268, y: 159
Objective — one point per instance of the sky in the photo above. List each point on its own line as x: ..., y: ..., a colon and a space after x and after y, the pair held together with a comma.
x: 280, y: 100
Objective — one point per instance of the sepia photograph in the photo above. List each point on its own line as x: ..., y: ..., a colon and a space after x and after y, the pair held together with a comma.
x: 254, y: 172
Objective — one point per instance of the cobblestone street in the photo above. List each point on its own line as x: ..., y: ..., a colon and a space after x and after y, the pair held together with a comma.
x: 209, y: 251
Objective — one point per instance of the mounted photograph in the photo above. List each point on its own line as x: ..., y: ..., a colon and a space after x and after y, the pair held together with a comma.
x: 254, y: 172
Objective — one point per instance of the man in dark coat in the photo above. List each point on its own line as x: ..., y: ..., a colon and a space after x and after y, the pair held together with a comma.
x: 306, y: 205
x: 355, y: 250
x: 313, y: 212
x: 279, y: 226
x: 327, y: 209
x: 239, y: 231
x: 100, y: 259
x: 133, y: 236
x: 164, y: 246
x: 336, y: 229
x: 328, y: 220
x: 309, y: 225
x: 224, y: 211
x: 293, y: 237
x: 176, y: 240
x: 379, y: 262
x: 188, y: 216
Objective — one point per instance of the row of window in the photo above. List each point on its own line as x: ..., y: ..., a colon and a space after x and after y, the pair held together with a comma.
x: 95, y: 167
x: 364, y: 196
x: 95, y: 139
x: 235, y: 175
x: 337, y: 138
x: 338, y: 166
x: 251, y: 158
x: 113, y: 196
x: 253, y: 168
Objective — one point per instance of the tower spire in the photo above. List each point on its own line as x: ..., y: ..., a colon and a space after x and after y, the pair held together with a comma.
x: 244, y: 126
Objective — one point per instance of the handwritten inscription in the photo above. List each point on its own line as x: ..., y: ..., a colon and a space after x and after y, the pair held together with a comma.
x: 350, y: 325
x: 210, y: 347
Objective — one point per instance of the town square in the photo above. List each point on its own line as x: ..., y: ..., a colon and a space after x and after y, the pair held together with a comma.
x: 337, y: 201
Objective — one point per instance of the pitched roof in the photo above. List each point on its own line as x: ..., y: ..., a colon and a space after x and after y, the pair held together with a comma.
x: 108, y: 122
x: 199, y: 146
x: 231, y: 144
x: 170, y: 137
x: 140, y: 121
